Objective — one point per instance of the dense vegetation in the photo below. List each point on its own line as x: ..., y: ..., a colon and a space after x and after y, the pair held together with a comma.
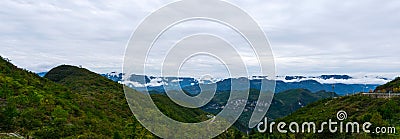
x: 393, y: 86
x: 287, y: 102
x: 72, y: 102
x: 34, y: 106
x: 101, y: 100
x: 283, y: 104
x: 83, y: 105
x: 380, y: 112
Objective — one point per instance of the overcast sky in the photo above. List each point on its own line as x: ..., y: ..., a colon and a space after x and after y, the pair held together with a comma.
x: 308, y: 37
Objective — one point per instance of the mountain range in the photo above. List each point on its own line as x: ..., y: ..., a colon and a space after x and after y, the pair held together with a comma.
x: 340, y: 84
x: 73, y: 102
x: 69, y: 101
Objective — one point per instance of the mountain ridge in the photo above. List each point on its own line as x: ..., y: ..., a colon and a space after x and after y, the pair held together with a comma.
x: 80, y: 104
x: 381, y: 112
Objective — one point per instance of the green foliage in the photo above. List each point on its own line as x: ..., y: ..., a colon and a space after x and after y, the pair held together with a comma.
x: 72, y: 102
x: 283, y: 103
x: 59, y: 115
x: 393, y: 86
x: 26, y: 100
x: 73, y: 107
x: 117, y: 135
x: 287, y: 102
x: 176, y: 112
x: 380, y: 112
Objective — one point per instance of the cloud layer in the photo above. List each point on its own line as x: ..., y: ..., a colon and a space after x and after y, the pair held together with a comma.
x: 308, y: 37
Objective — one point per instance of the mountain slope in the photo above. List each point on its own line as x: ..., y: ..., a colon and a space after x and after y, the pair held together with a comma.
x: 72, y: 102
x: 111, y: 100
x: 283, y: 103
x: 380, y: 112
x: 40, y: 108
x: 393, y: 86
x: 34, y: 106
x: 286, y: 102
x: 102, y: 100
x: 359, y: 108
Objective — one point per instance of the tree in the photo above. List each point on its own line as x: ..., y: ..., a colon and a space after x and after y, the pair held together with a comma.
x: 10, y: 113
x: 377, y: 119
x: 7, y: 59
x: 396, y: 90
x: 117, y: 135
x: 60, y: 115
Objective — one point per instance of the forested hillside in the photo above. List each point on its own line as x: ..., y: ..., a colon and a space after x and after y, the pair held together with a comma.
x: 72, y: 102
x: 287, y: 102
x: 393, y: 86
x: 380, y: 112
